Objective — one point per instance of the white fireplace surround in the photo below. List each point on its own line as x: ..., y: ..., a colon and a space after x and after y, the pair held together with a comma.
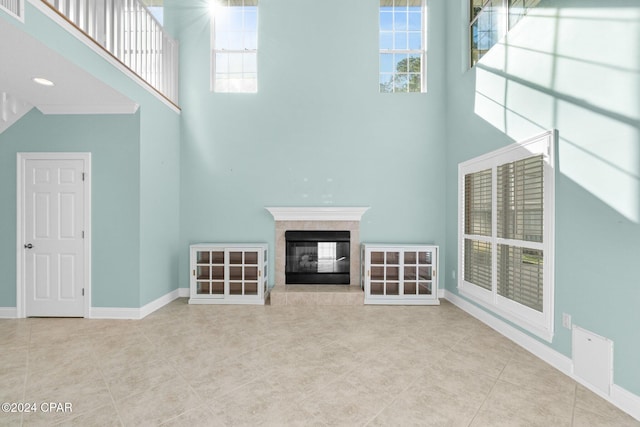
x: 324, y: 213
x: 317, y: 218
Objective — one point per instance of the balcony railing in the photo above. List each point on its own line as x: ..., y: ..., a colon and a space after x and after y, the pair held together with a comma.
x: 14, y: 7
x: 127, y: 30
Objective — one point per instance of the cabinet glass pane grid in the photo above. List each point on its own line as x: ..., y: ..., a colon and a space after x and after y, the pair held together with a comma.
x: 417, y: 278
x: 210, y: 272
x: 228, y: 274
x: 385, y: 273
x: 417, y: 273
x: 243, y: 273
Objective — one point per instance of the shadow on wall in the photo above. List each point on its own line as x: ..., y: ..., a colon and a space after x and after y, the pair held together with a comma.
x: 576, y: 70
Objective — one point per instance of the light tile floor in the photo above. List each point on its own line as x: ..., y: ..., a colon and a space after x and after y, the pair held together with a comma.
x: 262, y: 365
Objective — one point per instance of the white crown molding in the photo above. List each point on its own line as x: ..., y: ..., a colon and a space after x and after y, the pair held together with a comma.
x: 89, y: 109
x: 306, y: 213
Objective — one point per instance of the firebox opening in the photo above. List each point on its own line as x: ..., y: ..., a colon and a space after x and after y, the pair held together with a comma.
x: 317, y: 257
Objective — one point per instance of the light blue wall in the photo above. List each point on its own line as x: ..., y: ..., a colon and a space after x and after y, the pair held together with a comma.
x: 156, y: 171
x: 113, y: 143
x: 317, y: 133
x: 159, y: 200
x: 574, y: 66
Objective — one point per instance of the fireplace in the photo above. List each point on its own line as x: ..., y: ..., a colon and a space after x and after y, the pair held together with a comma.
x: 317, y: 257
x: 326, y: 218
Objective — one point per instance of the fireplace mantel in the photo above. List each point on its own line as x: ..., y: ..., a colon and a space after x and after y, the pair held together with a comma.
x: 321, y: 213
x: 317, y: 218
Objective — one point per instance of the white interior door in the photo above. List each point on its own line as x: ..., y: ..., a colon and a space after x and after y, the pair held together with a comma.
x: 53, y: 220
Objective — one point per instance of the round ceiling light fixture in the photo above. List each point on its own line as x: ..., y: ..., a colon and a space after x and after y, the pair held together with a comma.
x: 42, y: 81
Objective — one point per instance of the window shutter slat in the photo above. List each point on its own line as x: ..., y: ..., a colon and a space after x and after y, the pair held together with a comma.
x: 520, y: 275
x: 478, y: 203
x: 477, y: 263
x: 520, y: 200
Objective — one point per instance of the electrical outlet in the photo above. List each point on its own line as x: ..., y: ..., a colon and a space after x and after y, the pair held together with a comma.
x: 453, y: 274
x: 566, y: 320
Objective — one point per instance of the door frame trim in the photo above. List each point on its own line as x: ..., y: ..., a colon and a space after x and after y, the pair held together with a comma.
x: 22, y: 158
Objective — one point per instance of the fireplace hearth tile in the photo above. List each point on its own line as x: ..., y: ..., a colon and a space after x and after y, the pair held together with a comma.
x: 302, y: 298
x: 301, y: 288
x: 317, y: 295
x: 277, y: 296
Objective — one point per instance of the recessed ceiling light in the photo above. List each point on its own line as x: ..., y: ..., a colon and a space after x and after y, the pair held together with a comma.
x: 42, y: 81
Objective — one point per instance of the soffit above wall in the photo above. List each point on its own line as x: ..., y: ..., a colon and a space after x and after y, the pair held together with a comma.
x: 75, y: 91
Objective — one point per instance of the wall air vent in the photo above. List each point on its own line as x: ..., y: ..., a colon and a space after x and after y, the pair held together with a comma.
x: 13, y: 7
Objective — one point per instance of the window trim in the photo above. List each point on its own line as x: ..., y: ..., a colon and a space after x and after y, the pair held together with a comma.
x: 535, y: 322
x: 422, y: 52
x: 213, y: 51
x: 507, y: 24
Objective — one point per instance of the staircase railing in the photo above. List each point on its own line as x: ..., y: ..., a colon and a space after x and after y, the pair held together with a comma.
x: 14, y: 7
x: 127, y: 30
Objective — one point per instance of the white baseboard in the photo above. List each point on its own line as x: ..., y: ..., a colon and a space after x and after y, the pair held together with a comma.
x: 546, y: 353
x: 136, y: 313
x: 8, y: 312
x: 625, y: 400
x: 154, y: 305
x: 114, y: 313
x: 620, y: 397
x: 117, y: 312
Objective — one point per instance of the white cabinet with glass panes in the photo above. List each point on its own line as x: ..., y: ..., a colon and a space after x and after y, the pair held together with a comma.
x: 225, y: 273
x: 399, y: 274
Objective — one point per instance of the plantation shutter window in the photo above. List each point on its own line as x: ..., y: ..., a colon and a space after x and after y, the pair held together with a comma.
x: 477, y: 253
x: 520, y: 205
x: 506, y: 232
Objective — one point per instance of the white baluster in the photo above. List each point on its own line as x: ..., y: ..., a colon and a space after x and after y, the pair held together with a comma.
x: 128, y: 25
x: 127, y: 29
x: 5, y: 114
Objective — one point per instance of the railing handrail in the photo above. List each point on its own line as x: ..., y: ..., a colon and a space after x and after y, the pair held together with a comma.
x: 129, y: 32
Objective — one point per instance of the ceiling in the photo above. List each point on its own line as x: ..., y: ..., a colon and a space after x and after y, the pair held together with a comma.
x: 75, y: 91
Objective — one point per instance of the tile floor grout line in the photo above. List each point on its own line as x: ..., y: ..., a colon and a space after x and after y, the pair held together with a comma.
x: 180, y: 375
x: 396, y: 397
x: 573, y: 407
x: 202, y: 399
x: 371, y: 357
x: 26, y: 373
x: 486, y: 397
x: 113, y: 401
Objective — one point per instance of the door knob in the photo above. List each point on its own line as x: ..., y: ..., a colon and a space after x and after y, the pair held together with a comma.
x: 28, y: 246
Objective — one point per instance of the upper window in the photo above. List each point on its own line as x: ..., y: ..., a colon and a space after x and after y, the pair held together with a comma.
x: 506, y: 233
x: 402, y: 46
x: 156, y: 8
x: 234, y: 41
x: 491, y: 19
